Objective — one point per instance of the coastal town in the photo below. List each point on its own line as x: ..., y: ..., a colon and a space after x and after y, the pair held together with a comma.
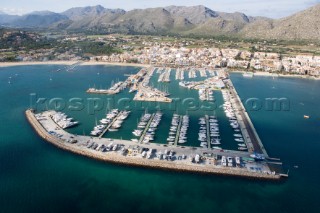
x: 158, y: 51
x: 164, y: 54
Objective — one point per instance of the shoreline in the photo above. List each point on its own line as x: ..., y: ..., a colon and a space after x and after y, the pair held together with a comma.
x: 140, y: 162
x: 69, y: 63
x: 93, y: 63
x: 268, y: 74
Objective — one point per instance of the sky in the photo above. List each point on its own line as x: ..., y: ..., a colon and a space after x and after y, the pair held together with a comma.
x: 267, y: 8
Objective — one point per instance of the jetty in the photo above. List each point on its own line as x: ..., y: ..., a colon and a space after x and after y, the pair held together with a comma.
x: 115, y: 89
x: 146, y: 128
x: 178, y: 131
x: 250, y: 134
x: 110, y: 125
x: 129, y: 153
x: 150, y: 94
x: 208, y: 131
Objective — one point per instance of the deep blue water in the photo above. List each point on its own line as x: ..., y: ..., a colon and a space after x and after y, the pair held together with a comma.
x: 38, y: 177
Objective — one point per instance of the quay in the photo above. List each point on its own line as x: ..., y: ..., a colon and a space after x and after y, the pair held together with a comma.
x: 129, y: 153
x: 115, y: 89
x: 251, y: 137
x: 102, y: 91
x: 147, y: 93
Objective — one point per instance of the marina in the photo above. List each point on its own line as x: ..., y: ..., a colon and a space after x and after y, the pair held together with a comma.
x: 148, y: 93
x: 249, y: 153
x: 180, y: 74
x: 165, y: 75
x: 112, y: 122
x: 128, y: 152
x: 31, y: 161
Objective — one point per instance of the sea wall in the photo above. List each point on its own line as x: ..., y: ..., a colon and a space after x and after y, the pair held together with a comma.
x: 141, y: 162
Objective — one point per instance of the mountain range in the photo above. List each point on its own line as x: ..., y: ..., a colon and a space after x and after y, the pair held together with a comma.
x: 177, y: 20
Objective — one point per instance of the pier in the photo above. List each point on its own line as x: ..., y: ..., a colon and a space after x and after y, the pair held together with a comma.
x: 146, y: 129
x: 147, y: 93
x: 208, y: 131
x: 115, y: 89
x: 251, y: 137
x: 203, y: 73
x: 178, y: 131
x: 180, y: 74
x: 165, y: 76
x: 108, y: 127
x: 209, y: 164
x: 50, y: 132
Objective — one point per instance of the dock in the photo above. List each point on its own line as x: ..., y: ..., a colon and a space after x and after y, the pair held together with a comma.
x: 115, y: 89
x: 108, y: 127
x: 180, y: 74
x: 146, y: 129
x: 203, y: 73
x: 165, y: 76
x: 250, y: 134
x: 46, y: 128
x: 147, y: 93
x: 178, y: 131
x: 208, y: 131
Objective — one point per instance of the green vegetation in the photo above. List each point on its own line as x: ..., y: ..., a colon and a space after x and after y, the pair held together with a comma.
x: 95, y: 48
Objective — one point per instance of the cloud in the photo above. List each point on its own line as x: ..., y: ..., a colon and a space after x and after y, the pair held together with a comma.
x: 13, y: 11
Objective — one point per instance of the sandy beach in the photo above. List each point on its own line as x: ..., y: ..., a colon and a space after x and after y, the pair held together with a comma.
x: 268, y: 74
x: 90, y: 63
x: 85, y: 63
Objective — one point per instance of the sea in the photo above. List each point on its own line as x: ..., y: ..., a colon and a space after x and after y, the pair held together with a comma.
x: 38, y: 177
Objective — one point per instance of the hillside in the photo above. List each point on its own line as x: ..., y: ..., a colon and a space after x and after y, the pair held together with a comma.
x: 194, y: 20
x: 302, y: 25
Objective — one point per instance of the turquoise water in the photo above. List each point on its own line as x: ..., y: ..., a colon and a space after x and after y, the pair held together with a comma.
x: 37, y: 177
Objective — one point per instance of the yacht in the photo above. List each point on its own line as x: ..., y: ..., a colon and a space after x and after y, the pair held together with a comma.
x: 242, y: 148
x: 95, y: 132
x: 137, y: 132
x: 217, y: 148
x: 215, y: 141
x: 104, y: 121
x: 239, y: 140
x: 204, y: 144
x: 182, y: 141
x: 124, y: 115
